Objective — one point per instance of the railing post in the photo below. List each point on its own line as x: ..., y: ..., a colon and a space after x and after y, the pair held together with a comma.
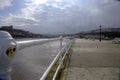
x: 7, y: 51
x: 60, y: 58
x: 61, y: 38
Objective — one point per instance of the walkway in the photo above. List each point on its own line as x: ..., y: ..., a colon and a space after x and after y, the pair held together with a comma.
x: 93, y: 60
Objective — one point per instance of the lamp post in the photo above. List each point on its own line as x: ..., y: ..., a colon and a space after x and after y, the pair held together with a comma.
x: 100, y: 33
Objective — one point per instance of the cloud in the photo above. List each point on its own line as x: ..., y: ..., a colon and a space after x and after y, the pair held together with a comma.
x: 19, y: 21
x: 5, y: 3
x: 65, y: 16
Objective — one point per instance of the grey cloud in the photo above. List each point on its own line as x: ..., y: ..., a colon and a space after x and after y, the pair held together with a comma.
x: 5, y: 3
x: 81, y: 15
x: 74, y: 19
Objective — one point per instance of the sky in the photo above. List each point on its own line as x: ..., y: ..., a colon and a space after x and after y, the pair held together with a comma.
x: 60, y: 16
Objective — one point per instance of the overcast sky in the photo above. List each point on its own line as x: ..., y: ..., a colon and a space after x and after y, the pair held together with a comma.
x: 59, y: 16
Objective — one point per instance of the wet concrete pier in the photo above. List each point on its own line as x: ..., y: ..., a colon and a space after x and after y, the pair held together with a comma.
x: 93, y: 60
x: 30, y: 63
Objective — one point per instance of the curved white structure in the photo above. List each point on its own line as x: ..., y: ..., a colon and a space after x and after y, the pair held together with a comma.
x: 7, y: 51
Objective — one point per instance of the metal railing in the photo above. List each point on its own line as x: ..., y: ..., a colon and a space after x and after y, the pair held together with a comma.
x: 28, y: 43
x: 59, y: 58
x: 9, y: 47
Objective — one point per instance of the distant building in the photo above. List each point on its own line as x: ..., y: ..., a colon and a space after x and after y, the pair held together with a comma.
x: 18, y: 32
x: 106, y: 33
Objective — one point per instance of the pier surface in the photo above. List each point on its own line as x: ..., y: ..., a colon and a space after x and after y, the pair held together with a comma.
x: 93, y: 60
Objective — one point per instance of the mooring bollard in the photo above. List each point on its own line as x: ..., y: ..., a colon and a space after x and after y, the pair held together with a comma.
x: 8, y: 48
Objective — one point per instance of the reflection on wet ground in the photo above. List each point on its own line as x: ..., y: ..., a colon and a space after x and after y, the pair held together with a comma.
x: 30, y: 63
